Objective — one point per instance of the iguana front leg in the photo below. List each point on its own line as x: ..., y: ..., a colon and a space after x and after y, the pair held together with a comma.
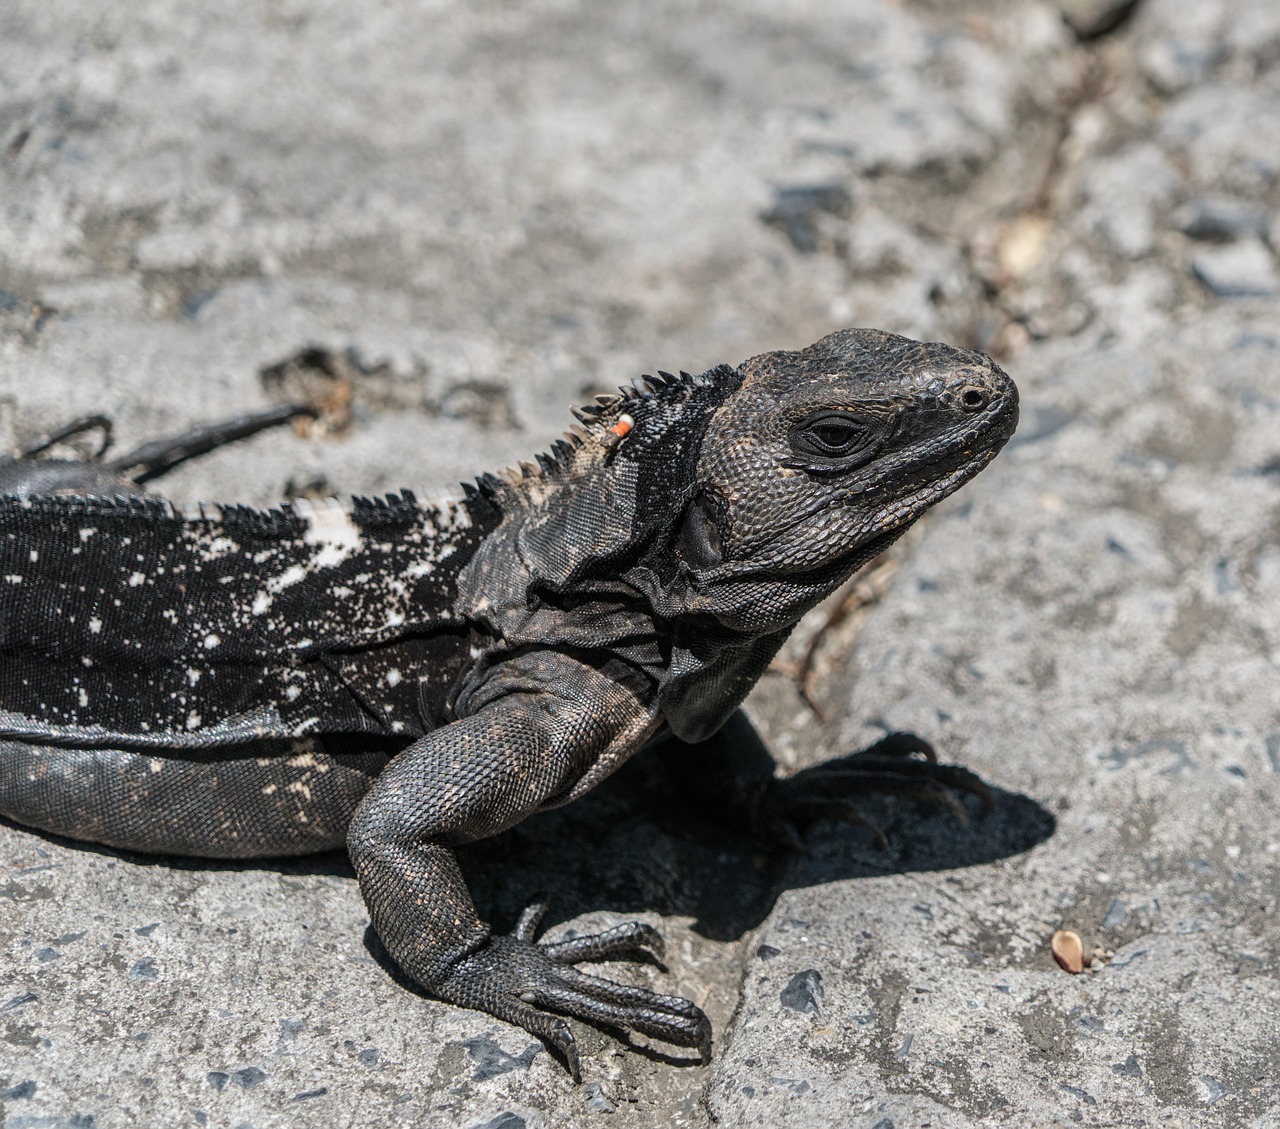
x: 548, y: 727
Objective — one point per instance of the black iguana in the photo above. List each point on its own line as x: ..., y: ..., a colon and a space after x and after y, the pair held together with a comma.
x: 404, y: 677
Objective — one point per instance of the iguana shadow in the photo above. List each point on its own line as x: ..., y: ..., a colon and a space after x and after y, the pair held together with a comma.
x: 634, y: 845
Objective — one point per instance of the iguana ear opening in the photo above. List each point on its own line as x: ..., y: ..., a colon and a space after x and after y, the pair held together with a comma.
x: 698, y: 540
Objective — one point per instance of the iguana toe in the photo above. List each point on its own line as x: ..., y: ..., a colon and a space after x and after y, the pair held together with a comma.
x: 523, y: 982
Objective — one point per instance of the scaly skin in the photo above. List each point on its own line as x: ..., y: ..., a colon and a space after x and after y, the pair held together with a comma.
x: 228, y: 683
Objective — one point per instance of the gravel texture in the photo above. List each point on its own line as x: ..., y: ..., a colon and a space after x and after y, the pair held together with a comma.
x: 458, y: 218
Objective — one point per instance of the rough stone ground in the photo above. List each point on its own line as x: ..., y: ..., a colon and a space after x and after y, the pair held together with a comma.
x: 455, y: 218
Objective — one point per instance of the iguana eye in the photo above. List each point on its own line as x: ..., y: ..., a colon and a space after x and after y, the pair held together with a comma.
x: 837, y: 435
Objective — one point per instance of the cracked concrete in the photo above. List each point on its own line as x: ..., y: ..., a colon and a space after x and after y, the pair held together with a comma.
x: 456, y: 219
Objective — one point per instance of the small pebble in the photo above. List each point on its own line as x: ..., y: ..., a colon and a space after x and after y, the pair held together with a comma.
x: 1220, y: 218
x: 1237, y: 270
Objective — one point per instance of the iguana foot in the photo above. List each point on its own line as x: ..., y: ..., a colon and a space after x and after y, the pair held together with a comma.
x: 522, y: 981
x: 899, y: 764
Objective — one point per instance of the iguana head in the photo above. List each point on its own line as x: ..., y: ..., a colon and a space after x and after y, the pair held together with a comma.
x: 821, y: 458
x: 742, y: 497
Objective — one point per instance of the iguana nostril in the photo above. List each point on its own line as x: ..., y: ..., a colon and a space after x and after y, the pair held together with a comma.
x: 974, y: 399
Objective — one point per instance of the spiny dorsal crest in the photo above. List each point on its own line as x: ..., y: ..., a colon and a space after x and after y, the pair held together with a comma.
x: 600, y: 429
x: 389, y: 512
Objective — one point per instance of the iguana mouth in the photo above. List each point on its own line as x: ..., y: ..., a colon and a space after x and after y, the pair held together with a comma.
x: 967, y: 454
x: 968, y: 462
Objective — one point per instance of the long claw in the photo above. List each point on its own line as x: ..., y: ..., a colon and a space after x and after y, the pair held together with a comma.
x: 648, y: 1018
x: 633, y: 936
x: 626, y: 995
x: 530, y: 918
x: 567, y: 1045
x: 67, y: 431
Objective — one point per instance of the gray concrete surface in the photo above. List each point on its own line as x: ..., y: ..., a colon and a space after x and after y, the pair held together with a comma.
x: 469, y: 215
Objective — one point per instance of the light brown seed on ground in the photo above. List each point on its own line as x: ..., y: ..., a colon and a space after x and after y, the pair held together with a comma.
x: 1068, y: 950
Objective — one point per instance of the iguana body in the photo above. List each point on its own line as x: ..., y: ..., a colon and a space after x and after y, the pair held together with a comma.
x: 407, y: 677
